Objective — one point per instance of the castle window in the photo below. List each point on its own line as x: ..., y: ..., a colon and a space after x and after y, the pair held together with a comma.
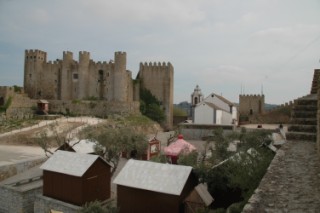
x: 30, y: 75
x: 75, y: 76
x: 27, y: 57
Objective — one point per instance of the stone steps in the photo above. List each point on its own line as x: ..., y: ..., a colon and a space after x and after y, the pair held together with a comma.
x: 314, y: 86
x: 301, y: 136
x: 303, y: 128
x: 304, y: 114
x: 303, y: 120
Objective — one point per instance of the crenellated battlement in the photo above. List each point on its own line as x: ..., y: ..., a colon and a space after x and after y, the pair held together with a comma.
x: 67, y: 56
x: 35, y: 55
x: 251, y: 96
x: 120, y: 53
x: 84, y: 56
x: 156, y: 65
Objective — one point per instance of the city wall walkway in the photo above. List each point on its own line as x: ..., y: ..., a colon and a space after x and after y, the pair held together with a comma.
x: 292, y: 182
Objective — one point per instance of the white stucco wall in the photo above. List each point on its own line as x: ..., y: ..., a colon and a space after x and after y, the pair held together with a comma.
x: 203, y: 114
x: 226, y: 118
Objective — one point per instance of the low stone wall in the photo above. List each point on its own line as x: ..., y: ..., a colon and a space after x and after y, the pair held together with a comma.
x: 45, y: 204
x: 198, y: 131
x: 13, y: 200
x: 93, y: 108
x: 9, y: 170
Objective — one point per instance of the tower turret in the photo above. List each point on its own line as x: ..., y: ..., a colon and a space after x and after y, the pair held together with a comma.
x: 120, y: 79
x: 83, y: 74
x: 33, y: 65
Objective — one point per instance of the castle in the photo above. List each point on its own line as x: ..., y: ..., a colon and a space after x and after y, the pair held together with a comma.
x: 111, y: 82
x: 251, y: 104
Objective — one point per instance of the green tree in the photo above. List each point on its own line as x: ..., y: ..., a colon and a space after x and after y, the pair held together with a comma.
x: 150, y: 106
x: 179, y: 112
x: 97, y: 207
x: 111, y: 142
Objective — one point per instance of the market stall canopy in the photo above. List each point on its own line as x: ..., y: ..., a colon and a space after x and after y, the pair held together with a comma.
x: 178, y: 147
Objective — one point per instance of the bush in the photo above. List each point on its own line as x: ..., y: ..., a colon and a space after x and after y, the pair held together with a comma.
x: 96, y: 207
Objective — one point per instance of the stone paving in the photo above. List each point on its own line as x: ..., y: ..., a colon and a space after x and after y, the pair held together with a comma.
x: 292, y: 182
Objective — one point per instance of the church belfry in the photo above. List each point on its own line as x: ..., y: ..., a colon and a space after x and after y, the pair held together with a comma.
x: 196, y: 96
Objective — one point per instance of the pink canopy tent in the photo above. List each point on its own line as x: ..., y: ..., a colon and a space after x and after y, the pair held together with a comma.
x: 178, y: 147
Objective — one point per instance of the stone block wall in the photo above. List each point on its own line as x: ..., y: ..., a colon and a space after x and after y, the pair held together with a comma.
x: 9, y: 170
x: 12, y: 200
x: 318, y: 120
x: 45, y: 204
x: 93, y: 108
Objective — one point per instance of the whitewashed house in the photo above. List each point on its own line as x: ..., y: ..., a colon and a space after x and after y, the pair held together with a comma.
x: 215, y: 109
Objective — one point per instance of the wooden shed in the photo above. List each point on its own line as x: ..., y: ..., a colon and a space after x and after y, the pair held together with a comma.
x: 144, y: 186
x: 43, y: 106
x: 76, y: 178
x: 79, y: 146
x: 198, y: 200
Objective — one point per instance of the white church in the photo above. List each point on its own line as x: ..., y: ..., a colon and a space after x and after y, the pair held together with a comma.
x: 214, y: 109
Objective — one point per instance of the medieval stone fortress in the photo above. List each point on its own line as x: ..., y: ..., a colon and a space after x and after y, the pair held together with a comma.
x: 102, y: 89
x: 66, y: 80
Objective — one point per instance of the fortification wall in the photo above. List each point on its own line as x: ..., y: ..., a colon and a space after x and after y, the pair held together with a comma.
x: 68, y: 79
x: 21, y: 107
x: 93, y: 108
x: 6, y: 92
x: 158, y: 79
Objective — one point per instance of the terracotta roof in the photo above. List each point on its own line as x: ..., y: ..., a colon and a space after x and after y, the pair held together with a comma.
x: 157, y: 177
x: 70, y: 163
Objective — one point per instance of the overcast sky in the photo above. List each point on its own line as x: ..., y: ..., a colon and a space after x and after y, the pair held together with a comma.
x: 220, y: 45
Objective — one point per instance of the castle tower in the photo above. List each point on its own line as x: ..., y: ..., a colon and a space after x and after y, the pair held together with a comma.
x: 251, y: 104
x: 158, y: 79
x: 83, y: 74
x: 196, y: 97
x: 67, y: 88
x: 33, y: 72
x: 120, y: 76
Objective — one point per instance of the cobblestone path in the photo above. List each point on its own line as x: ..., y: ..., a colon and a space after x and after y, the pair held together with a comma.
x: 292, y: 182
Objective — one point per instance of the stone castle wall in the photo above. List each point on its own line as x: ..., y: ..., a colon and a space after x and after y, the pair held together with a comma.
x: 68, y: 79
x: 93, y: 108
x: 21, y: 105
x: 158, y: 79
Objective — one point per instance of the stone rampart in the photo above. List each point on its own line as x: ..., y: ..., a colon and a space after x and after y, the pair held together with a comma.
x: 12, y: 169
x: 13, y: 200
x: 93, y: 108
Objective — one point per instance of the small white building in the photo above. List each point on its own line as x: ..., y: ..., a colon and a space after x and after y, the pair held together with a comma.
x: 215, y: 109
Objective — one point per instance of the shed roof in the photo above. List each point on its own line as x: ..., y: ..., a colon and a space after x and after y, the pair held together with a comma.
x: 70, y: 163
x: 158, y: 177
x: 43, y: 101
x: 204, y: 194
x: 83, y: 146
